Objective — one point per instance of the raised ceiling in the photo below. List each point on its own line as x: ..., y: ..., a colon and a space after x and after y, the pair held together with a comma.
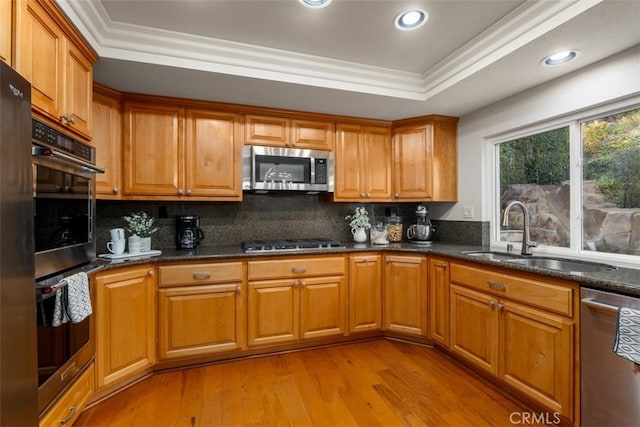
x: 347, y: 58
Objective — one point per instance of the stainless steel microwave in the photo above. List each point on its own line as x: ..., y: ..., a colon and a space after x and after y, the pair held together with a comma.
x: 267, y: 169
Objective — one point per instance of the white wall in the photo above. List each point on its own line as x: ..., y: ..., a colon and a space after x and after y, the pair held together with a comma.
x: 612, y: 79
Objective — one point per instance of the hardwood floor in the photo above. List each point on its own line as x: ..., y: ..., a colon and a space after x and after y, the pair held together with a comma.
x: 373, y: 383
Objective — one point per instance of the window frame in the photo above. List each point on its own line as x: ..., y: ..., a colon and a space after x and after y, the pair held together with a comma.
x: 573, y: 121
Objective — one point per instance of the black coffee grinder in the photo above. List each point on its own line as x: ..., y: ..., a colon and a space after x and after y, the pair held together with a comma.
x: 188, y: 232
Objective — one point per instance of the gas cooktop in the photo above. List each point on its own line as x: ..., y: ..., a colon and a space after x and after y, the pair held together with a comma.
x: 289, y: 245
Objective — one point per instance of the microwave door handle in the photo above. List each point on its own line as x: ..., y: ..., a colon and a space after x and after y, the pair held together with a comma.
x: 312, y: 172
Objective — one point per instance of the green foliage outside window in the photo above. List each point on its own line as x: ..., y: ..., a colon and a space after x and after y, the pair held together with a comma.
x: 611, y: 149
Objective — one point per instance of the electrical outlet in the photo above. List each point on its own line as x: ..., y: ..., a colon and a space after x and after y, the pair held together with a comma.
x: 467, y: 212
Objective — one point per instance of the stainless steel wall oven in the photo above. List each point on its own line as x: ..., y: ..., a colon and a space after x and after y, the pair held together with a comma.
x: 64, y: 223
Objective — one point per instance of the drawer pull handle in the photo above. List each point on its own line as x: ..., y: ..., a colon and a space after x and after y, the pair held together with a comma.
x: 498, y: 286
x: 72, y: 413
x: 201, y: 276
x: 298, y: 269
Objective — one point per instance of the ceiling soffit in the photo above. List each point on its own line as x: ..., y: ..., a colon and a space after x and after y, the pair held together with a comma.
x: 130, y: 42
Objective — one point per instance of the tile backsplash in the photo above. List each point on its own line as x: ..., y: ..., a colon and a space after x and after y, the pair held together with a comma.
x: 271, y: 217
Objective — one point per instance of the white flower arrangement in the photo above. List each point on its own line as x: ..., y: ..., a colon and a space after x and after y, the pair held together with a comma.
x: 140, y: 224
x: 360, y: 219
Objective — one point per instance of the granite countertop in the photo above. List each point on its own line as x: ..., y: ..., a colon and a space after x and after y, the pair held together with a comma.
x: 620, y: 280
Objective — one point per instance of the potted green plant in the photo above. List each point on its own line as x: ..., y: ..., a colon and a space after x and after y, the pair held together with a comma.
x: 359, y: 223
x: 140, y: 225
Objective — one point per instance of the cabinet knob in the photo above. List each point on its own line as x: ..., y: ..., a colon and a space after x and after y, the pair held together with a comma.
x: 500, y: 307
x: 368, y: 195
x: 69, y: 118
x: 303, y: 283
x: 238, y: 289
x: 443, y: 265
x: 363, y: 195
x: 151, y: 273
x: 180, y: 191
x: 492, y: 303
x: 188, y: 191
x: 396, y: 195
x: 115, y: 190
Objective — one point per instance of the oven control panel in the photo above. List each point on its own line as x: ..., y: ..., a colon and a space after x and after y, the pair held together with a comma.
x: 48, y: 136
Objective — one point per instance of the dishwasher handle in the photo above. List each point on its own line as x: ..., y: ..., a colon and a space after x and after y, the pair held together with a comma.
x: 592, y: 303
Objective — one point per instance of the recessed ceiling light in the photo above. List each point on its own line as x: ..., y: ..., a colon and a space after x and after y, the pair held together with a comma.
x: 315, y: 4
x: 559, y: 58
x: 411, y: 19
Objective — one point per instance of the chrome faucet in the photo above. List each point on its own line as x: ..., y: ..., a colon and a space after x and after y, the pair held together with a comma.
x: 527, y: 244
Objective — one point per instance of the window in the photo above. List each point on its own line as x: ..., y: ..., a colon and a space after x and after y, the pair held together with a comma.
x: 588, y: 205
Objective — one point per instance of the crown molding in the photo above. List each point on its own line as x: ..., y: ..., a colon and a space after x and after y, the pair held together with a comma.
x: 136, y: 43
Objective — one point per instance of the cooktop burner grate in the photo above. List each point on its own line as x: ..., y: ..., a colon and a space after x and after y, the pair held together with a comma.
x: 289, y: 245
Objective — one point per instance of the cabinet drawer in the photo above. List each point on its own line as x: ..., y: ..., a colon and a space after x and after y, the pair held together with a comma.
x: 544, y: 293
x: 297, y: 267
x: 68, y: 408
x: 200, y: 274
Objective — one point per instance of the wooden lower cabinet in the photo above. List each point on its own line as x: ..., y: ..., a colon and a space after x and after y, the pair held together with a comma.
x: 365, y: 292
x: 68, y: 407
x: 530, y: 349
x: 296, y: 298
x: 405, y: 294
x: 125, y: 323
x: 286, y: 310
x: 201, y: 309
x: 438, y: 300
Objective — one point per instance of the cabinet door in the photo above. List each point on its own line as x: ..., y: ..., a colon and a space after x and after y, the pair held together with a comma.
x: 153, y: 149
x: 438, y: 298
x: 323, y: 307
x: 312, y: 135
x: 41, y: 59
x: 349, y: 161
x: 125, y: 323
x: 273, y: 312
x: 6, y: 30
x: 200, y: 320
x: 412, y: 163
x: 474, y: 327
x: 265, y: 130
x: 377, y: 164
x: 107, y: 125
x: 537, y: 355
x: 405, y: 295
x: 78, y: 91
x: 365, y: 293
x: 213, y: 155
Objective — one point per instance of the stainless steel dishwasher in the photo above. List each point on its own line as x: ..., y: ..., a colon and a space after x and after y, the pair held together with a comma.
x: 610, y: 385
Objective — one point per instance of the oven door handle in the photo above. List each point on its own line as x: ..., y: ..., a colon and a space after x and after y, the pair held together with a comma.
x: 85, y: 166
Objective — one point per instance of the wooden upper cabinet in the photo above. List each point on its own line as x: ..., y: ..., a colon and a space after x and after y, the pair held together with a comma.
x: 6, y: 31
x: 58, y: 63
x: 265, y: 130
x: 425, y: 160
x: 107, y: 125
x: 313, y: 135
x: 284, y: 132
x: 153, y: 149
x: 213, y: 155
x: 363, y: 163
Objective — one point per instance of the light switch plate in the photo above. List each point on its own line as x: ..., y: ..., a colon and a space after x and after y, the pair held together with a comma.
x: 467, y: 212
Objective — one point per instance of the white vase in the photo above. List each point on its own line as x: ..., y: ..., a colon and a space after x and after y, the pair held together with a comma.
x: 359, y: 235
x: 135, y: 244
x: 146, y: 244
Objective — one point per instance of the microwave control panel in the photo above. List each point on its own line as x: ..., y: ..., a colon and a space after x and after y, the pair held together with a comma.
x: 321, y: 171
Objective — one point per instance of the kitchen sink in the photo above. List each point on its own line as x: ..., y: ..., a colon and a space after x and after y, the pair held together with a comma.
x: 491, y: 255
x: 562, y: 264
